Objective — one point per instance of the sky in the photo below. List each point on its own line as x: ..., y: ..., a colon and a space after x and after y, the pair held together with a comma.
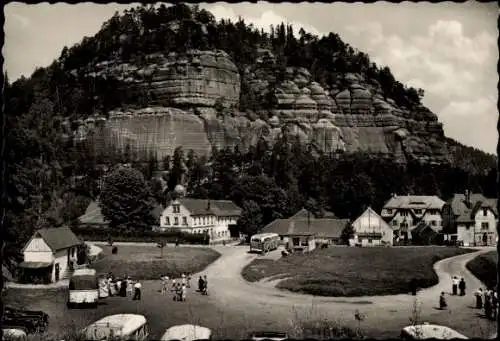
x: 450, y: 50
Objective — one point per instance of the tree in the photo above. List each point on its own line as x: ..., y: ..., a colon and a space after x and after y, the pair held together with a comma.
x: 347, y: 233
x: 125, y: 201
x: 250, y: 221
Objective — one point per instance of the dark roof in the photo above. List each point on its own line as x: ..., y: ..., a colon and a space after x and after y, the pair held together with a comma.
x: 326, y: 228
x: 215, y: 207
x: 415, y: 201
x: 93, y: 214
x: 303, y: 213
x: 422, y: 228
x: 466, y: 212
x: 57, y: 238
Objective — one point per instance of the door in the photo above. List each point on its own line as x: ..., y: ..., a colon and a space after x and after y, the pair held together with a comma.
x: 57, y: 271
x: 485, y: 239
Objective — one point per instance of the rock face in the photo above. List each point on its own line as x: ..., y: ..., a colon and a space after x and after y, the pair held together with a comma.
x: 193, y: 99
x: 196, y: 78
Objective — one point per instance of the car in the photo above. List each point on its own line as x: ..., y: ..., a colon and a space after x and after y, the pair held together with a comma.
x: 430, y: 331
x: 29, y: 320
x: 268, y: 335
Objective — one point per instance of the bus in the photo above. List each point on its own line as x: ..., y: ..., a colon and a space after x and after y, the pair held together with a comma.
x: 83, y: 288
x: 264, y: 242
x: 123, y: 327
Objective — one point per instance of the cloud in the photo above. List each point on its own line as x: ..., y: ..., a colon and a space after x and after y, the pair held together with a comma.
x: 457, y: 72
x: 264, y: 22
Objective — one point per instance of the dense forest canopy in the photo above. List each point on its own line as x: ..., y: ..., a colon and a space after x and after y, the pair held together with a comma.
x: 50, y: 178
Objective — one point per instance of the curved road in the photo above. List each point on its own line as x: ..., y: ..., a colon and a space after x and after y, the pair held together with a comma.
x: 233, y: 292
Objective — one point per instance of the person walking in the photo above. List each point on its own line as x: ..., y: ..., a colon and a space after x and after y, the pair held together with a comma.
x: 454, y: 286
x: 413, y: 286
x: 442, y: 302
x: 200, y: 284
x: 461, y: 286
x: 487, y: 304
x: 164, y: 285
x: 479, y: 298
x: 494, y: 304
x: 137, y: 293
x: 183, y: 293
x: 205, y: 285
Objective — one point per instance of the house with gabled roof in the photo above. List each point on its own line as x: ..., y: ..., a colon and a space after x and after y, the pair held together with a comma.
x: 370, y: 229
x: 472, y: 219
x: 48, y: 255
x: 201, y: 216
x: 304, y: 213
x: 404, y: 212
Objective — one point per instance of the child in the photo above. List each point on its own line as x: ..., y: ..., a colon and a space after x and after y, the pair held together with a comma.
x: 164, y: 287
x: 183, y: 293
x: 442, y: 302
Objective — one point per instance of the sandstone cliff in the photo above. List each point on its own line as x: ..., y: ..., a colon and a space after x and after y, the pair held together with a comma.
x: 193, y: 100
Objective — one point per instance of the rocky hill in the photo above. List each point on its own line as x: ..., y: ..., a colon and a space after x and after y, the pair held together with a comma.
x: 202, y: 90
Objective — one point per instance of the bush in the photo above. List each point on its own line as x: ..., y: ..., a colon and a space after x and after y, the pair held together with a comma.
x: 99, y: 234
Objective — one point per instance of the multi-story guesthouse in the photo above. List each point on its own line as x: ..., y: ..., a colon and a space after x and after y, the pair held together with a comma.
x: 201, y: 216
x: 472, y: 219
x: 405, y: 212
x: 370, y: 229
x: 48, y: 255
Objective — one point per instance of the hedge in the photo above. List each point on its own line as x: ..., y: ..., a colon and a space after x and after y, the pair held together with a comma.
x: 104, y: 234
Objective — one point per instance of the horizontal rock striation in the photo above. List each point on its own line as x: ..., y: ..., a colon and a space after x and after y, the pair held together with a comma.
x: 193, y: 97
x: 198, y: 78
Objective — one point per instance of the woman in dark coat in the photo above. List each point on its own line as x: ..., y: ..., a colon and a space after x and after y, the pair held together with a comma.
x: 461, y: 286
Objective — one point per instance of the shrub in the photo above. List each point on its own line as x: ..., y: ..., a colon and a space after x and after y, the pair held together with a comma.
x: 99, y: 234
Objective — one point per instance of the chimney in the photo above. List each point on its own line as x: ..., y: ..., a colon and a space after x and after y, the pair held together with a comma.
x: 208, y: 205
x: 467, y: 197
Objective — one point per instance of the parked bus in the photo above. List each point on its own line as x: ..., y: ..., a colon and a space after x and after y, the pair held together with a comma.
x: 122, y: 327
x: 83, y: 288
x: 264, y: 242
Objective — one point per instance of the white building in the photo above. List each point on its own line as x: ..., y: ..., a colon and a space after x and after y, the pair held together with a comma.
x: 404, y: 212
x: 370, y: 229
x: 213, y: 217
x: 48, y: 254
x: 474, y: 218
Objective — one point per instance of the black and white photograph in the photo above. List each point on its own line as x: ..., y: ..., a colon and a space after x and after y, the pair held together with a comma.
x: 250, y: 170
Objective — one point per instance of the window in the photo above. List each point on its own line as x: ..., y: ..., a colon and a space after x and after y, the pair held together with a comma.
x: 485, y: 212
x: 184, y: 220
x: 389, y: 211
x: 176, y: 221
x: 218, y: 234
x: 485, y: 225
x: 394, y: 223
x: 204, y: 221
x: 296, y: 241
x: 403, y: 213
x: 167, y: 220
x: 194, y: 221
x: 370, y: 240
x: 176, y: 208
x: 433, y: 223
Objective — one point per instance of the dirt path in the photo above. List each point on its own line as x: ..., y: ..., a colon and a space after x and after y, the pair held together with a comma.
x: 230, y: 289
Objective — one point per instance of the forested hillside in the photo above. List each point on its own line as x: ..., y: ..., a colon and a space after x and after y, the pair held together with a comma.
x: 53, y: 167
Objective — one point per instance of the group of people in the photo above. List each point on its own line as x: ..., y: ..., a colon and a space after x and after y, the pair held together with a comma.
x: 179, y: 286
x: 456, y: 286
x: 116, y: 286
x: 490, y: 305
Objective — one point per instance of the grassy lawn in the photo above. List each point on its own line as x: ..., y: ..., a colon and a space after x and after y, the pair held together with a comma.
x: 484, y: 267
x: 145, y: 262
x: 343, y: 271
